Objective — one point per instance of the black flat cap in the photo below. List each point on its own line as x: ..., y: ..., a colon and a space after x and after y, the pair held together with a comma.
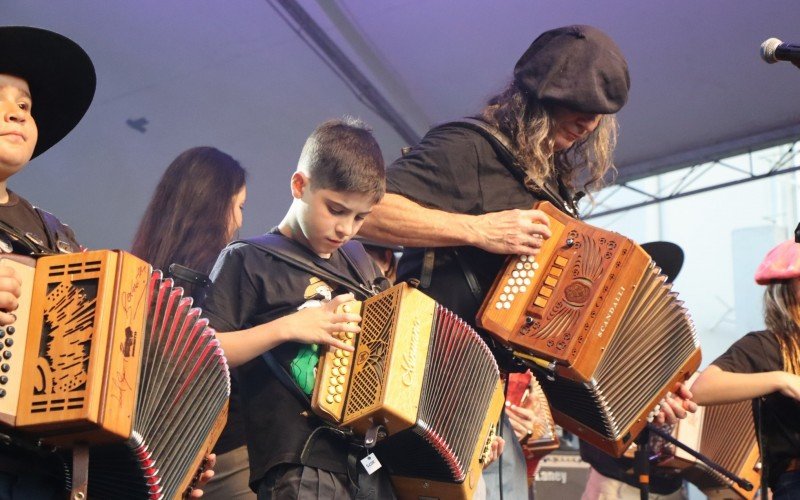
x: 59, y: 73
x: 578, y: 67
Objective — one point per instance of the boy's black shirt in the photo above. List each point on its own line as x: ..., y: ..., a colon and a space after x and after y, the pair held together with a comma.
x: 251, y: 287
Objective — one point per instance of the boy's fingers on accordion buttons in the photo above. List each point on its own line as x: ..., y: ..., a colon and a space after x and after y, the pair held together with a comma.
x: 10, y: 283
x: 7, y: 319
x: 8, y: 302
x: 341, y: 299
x: 338, y: 344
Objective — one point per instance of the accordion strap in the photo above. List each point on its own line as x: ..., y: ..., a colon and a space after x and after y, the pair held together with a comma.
x: 505, y: 153
x: 287, y: 250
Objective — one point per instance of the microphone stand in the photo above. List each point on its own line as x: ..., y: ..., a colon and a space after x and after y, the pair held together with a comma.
x: 642, y: 462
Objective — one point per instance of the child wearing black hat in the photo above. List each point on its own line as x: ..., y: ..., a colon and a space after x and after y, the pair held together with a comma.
x: 47, y: 82
x: 461, y: 199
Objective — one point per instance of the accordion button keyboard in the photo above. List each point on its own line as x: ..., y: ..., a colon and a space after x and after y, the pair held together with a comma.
x: 5, y: 367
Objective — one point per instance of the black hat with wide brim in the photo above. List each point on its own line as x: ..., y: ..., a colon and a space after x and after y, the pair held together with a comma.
x: 668, y: 256
x: 59, y: 73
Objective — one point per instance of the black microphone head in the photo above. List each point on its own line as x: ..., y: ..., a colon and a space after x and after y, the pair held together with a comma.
x: 768, y: 50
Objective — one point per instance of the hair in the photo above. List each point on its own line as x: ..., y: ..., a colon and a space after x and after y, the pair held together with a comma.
x: 342, y: 155
x: 188, y: 218
x: 528, y: 123
x: 782, y: 318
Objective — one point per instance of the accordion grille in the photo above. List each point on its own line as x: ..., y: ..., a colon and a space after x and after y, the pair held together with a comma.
x: 368, y: 384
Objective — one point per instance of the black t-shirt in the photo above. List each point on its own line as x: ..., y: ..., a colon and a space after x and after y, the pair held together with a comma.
x: 456, y: 170
x: 759, y: 352
x: 250, y: 287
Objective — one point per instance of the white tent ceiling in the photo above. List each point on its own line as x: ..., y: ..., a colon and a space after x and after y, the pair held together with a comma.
x: 236, y: 75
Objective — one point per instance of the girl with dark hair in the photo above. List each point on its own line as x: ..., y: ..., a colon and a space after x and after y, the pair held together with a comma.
x: 195, y: 212
x: 765, y: 367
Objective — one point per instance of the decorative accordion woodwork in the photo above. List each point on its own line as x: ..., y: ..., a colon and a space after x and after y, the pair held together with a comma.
x: 107, y: 353
x: 606, y: 335
x: 726, y: 435
x: 428, y: 379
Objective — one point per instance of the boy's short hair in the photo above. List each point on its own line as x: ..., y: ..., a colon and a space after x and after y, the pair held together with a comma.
x: 342, y: 155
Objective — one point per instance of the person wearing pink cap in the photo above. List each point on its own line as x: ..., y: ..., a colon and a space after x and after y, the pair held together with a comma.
x: 765, y: 366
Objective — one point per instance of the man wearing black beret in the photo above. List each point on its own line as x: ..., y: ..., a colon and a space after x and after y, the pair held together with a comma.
x: 459, y: 204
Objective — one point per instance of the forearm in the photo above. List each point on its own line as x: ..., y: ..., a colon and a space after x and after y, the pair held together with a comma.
x: 243, y: 345
x: 400, y: 221
x: 715, y: 386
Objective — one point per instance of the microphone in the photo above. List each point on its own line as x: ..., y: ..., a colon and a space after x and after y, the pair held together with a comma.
x: 773, y: 50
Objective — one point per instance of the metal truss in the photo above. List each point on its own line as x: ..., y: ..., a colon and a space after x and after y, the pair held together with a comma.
x: 683, y: 187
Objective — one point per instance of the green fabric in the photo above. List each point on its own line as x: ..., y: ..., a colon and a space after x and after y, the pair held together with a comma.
x: 304, y: 366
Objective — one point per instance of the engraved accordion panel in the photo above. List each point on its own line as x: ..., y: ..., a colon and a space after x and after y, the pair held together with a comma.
x: 606, y: 335
x: 117, y: 358
x: 428, y: 379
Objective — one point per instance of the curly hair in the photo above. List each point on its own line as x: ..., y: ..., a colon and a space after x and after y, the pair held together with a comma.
x: 528, y: 123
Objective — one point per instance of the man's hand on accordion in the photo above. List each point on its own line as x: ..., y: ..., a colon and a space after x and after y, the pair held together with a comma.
x: 676, y: 405
x: 515, y: 232
x: 10, y: 289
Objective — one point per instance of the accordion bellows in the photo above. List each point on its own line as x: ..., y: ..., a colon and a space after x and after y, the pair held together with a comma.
x: 115, y: 357
x: 429, y: 379
x: 606, y: 335
x: 726, y: 435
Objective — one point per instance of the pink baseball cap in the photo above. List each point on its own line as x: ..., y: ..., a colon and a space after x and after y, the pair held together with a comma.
x: 781, y: 263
